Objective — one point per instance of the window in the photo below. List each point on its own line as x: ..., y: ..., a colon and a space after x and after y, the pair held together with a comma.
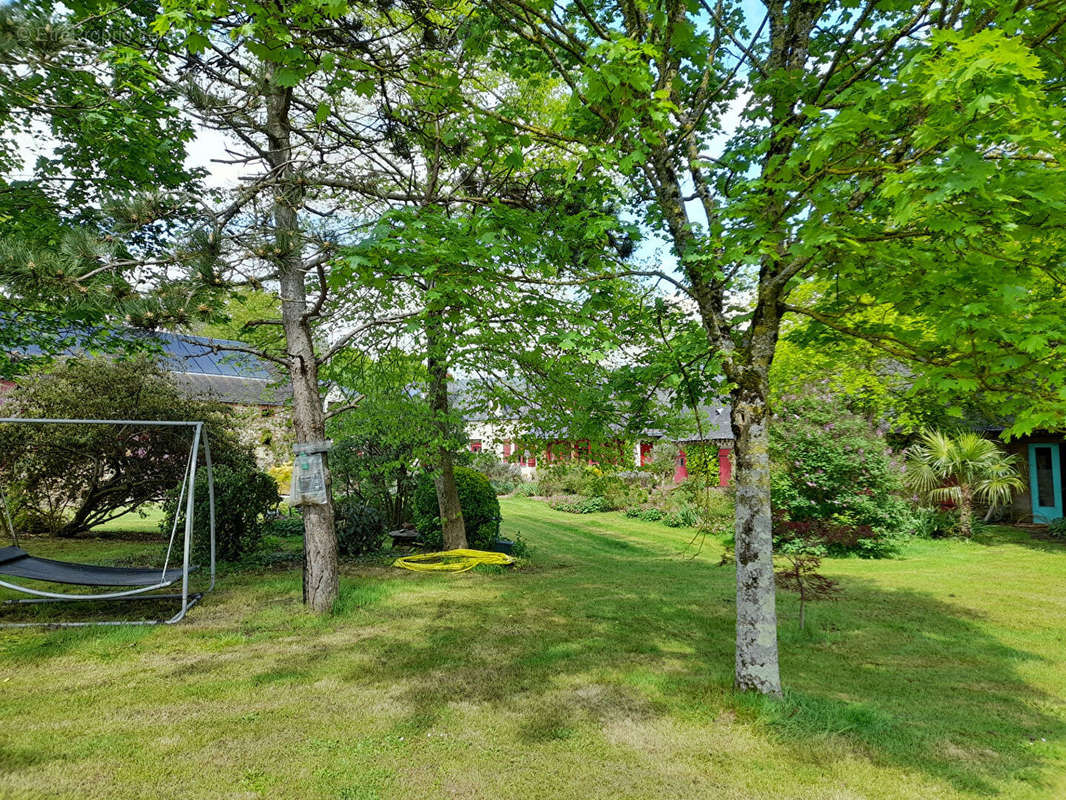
x: 475, y: 445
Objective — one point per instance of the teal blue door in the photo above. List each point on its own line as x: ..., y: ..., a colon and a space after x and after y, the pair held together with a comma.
x: 1045, y: 482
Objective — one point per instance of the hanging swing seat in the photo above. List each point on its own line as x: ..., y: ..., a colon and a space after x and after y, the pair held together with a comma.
x: 17, y: 563
x: 119, y: 583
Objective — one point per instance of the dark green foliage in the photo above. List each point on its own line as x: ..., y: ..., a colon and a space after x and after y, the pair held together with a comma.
x: 646, y: 514
x: 375, y: 470
x: 686, y: 516
x: 244, y: 495
x: 1057, y: 528
x: 360, y: 527
x: 520, y: 548
x: 291, y: 525
x: 931, y: 523
x: 832, y: 467
x: 481, y: 510
x: 377, y: 444
x: 68, y: 478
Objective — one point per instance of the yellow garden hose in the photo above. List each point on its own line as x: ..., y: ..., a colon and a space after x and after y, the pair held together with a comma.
x: 451, y: 560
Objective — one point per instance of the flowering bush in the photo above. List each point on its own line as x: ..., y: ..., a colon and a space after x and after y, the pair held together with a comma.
x: 833, y: 468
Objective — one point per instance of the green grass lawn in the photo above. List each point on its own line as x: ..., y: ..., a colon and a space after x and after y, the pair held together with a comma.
x: 144, y: 520
x: 602, y: 669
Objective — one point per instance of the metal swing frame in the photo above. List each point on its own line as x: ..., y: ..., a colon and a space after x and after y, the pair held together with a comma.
x: 188, y: 600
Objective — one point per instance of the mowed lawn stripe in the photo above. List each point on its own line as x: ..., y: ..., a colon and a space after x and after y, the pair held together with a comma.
x: 602, y: 668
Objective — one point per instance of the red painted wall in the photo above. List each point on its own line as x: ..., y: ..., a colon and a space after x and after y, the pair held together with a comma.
x: 645, y: 453
x: 680, y: 467
x: 725, y: 466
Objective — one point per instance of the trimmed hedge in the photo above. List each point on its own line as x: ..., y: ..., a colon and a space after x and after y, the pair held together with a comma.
x: 477, y: 499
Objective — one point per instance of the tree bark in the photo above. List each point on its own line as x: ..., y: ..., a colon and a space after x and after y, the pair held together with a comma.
x: 320, y: 581
x: 756, y: 646
x: 451, y: 512
x: 965, y: 511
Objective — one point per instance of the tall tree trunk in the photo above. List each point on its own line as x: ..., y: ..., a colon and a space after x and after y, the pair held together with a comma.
x: 756, y: 647
x: 320, y: 582
x: 451, y: 513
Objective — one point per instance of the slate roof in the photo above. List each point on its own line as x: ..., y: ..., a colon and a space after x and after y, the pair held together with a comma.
x: 205, y: 367
x: 715, y: 419
x: 210, y: 368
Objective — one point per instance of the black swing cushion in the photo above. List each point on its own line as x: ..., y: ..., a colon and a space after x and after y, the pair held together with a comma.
x: 16, y: 562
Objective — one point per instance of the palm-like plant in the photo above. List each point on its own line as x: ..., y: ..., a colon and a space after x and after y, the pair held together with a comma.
x: 961, y: 469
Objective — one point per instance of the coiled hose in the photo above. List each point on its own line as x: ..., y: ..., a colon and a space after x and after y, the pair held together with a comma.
x: 451, y: 560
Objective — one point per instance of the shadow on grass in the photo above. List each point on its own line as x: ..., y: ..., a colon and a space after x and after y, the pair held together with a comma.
x: 608, y: 627
x: 914, y: 681
x: 1032, y: 538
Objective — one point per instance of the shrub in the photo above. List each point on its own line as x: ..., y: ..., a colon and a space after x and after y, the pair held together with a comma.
x: 646, y: 514
x: 662, y: 461
x: 961, y: 469
x: 1057, y: 528
x: 360, y: 527
x: 481, y: 510
x: 561, y: 478
x: 244, y: 495
x: 637, y: 477
x: 520, y: 548
x: 931, y: 523
x: 69, y: 478
x: 831, y: 466
x: 378, y: 444
x: 586, y: 505
x: 715, y: 506
x: 285, y: 526
x: 496, y: 470
x: 282, y: 476
x: 527, y: 490
x: 502, y: 487
x: 833, y: 537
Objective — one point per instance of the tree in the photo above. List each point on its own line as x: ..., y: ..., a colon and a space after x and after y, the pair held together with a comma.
x: 306, y: 99
x: 961, y: 469
x: 903, y: 158
x: 381, y: 440
x: 69, y: 478
x: 335, y: 113
x: 83, y: 120
x: 492, y: 293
